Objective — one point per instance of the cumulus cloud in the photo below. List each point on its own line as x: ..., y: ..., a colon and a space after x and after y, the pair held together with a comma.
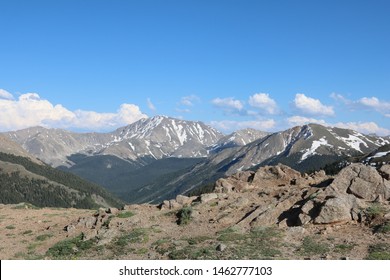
x: 5, y: 95
x: 189, y: 100
x: 264, y: 102
x: 311, y: 106
x: 365, y: 103
x: 229, y: 105
x: 150, y: 105
x: 229, y: 126
x: 375, y: 104
x: 299, y: 120
x: 364, y: 127
x: 31, y: 110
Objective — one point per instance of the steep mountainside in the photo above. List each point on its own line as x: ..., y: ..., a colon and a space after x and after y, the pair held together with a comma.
x: 160, y: 137
x: 304, y: 148
x: 22, y: 180
x: 378, y: 157
x: 238, y: 139
x: 53, y: 146
x: 153, y: 138
x: 8, y: 146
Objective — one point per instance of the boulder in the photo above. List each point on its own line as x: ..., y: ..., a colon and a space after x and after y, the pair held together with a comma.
x: 244, y: 176
x: 88, y: 222
x: 113, y: 211
x: 224, y: 186
x: 280, y: 173
x: 170, y: 204
x: 183, y: 200
x: 362, y: 181
x: 221, y: 247
x: 69, y: 228
x: 385, y: 171
x: 335, y: 210
x: 340, y: 209
x: 206, y: 197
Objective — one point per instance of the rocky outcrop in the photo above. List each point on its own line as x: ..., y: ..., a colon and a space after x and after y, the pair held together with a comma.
x: 177, y: 203
x: 270, y: 196
x: 347, y: 197
x: 292, y: 199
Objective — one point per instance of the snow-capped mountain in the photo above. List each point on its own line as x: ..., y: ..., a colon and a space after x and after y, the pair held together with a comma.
x: 378, y: 157
x: 53, y: 146
x: 156, y: 137
x: 304, y: 148
x: 238, y: 138
x: 160, y: 137
x: 298, y: 145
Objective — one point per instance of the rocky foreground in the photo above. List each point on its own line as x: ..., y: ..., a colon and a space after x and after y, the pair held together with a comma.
x: 273, y: 213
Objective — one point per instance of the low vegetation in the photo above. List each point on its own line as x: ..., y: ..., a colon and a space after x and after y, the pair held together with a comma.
x: 184, y: 215
x: 43, y: 186
x: 70, y: 248
x: 380, y: 251
x: 311, y: 247
x: 124, y: 215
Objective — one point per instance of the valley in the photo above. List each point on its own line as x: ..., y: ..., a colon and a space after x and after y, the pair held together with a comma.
x: 160, y: 157
x: 309, y: 192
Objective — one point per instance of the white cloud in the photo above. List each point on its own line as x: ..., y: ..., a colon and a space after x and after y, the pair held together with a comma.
x: 340, y: 98
x: 299, y: 120
x: 189, y: 100
x: 230, y: 126
x: 311, y: 106
x: 264, y: 102
x: 5, y: 95
x: 30, y: 110
x: 375, y: 104
x: 151, y: 105
x: 364, y: 127
x: 229, y: 105
x: 365, y: 103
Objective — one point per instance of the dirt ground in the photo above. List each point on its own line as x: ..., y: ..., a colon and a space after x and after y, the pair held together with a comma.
x: 146, y: 232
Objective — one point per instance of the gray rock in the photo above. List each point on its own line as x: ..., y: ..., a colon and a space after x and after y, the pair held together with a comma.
x: 224, y: 186
x: 87, y: 222
x: 221, y: 247
x: 183, y: 200
x: 304, y: 219
x: 113, y: 211
x: 385, y: 171
x: 335, y: 210
x: 70, y: 228
x: 206, y: 197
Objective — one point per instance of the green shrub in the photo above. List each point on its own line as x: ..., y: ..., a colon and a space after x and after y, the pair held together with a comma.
x: 124, y: 215
x: 384, y: 228
x: 379, y: 251
x: 311, y: 247
x: 184, y: 215
x: 375, y: 210
x: 43, y: 237
x: 70, y: 248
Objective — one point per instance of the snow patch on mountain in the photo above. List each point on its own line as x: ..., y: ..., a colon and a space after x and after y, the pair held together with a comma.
x: 315, y: 145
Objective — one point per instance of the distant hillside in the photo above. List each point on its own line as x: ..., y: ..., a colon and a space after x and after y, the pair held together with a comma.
x: 124, y: 178
x: 22, y: 180
x: 304, y: 148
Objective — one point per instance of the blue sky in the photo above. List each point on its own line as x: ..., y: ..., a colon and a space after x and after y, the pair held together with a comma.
x: 97, y: 65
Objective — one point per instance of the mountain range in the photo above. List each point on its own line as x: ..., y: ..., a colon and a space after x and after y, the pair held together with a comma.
x: 158, y: 158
